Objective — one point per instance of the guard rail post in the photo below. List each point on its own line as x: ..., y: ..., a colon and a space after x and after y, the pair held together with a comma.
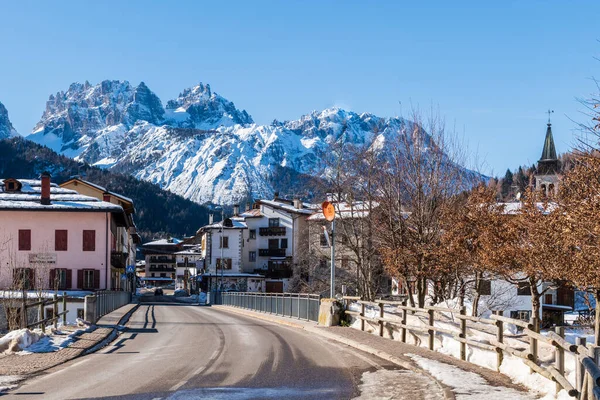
x: 404, y: 320
x: 64, y: 304
x: 560, y: 356
x: 55, y: 310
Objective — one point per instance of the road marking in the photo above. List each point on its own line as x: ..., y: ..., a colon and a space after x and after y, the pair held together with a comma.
x: 213, y: 357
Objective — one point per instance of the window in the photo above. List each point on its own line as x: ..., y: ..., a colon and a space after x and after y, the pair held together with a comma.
x: 226, y: 263
x: 345, y: 262
x: 273, y: 222
x: 10, y: 186
x: 252, y: 233
x: 523, y: 289
x: 88, y: 279
x: 523, y: 315
x: 548, y: 298
x: 89, y: 240
x: 323, y: 240
x: 284, y: 243
x: 24, y: 278
x: 60, y: 278
x: 323, y: 263
x: 80, y: 313
x: 152, y: 275
x: 344, y: 239
x: 24, y: 239
x: 485, y: 287
x: 273, y: 243
x: 60, y: 240
x: 163, y: 274
x: 224, y: 242
x: 252, y: 256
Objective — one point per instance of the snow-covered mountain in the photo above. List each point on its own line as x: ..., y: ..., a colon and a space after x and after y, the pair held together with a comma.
x: 200, y: 145
x: 6, y: 128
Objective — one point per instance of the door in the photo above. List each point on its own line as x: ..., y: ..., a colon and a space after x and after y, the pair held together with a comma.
x: 274, y: 287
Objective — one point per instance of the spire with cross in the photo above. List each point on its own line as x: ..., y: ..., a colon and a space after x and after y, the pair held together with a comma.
x: 549, y: 113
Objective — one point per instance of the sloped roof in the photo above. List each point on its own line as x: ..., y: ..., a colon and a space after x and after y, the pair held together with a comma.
x: 549, y: 151
x: 285, y: 206
x: 28, y: 198
x: 100, y: 188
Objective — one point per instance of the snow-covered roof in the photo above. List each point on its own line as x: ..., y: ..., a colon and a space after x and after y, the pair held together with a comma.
x: 234, y: 275
x: 163, y: 242
x: 285, y: 206
x: 102, y: 188
x: 514, y: 207
x: 358, y: 209
x: 61, y: 199
x: 254, y: 213
x: 188, y: 253
x: 237, y: 223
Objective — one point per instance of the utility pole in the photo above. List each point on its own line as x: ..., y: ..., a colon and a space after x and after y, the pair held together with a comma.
x: 222, y: 227
x: 332, y: 288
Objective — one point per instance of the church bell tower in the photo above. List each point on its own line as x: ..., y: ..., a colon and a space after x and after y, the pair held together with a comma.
x: 548, y: 167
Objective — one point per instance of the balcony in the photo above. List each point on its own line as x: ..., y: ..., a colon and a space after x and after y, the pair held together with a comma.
x: 272, y: 231
x: 162, y: 259
x: 271, y: 252
x: 118, y: 259
x: 161, y: 269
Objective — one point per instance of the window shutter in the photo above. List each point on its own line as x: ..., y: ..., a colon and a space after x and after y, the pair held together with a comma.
x: 96, y: 279
x: 52, y: 278
x: 89, y: 240
x: 79, y: 279
x: 24, y: 239
x: 69, y: 275
x: 60, y: 240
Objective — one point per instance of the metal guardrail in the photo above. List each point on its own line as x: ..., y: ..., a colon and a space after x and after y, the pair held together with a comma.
x: 108, y: 301
x: 294, y: 305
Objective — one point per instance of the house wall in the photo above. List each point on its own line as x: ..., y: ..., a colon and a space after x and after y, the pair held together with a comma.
x: 43, y: 226
x: 234, y: 251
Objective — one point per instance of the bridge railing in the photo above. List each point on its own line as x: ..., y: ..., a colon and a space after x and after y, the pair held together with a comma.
x: 296, y: 305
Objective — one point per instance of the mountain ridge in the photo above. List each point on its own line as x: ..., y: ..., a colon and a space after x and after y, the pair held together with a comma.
x: 198, y: 145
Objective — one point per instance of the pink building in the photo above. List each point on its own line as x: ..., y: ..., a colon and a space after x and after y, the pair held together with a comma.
x: 55, y: 238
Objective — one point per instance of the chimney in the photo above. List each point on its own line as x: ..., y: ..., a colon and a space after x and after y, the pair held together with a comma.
x: 106, y: 197
x: 236, y: 209
x: 210, y: 218
x: 276, y: 194
x: 45, y: 189
x: 297, y: 203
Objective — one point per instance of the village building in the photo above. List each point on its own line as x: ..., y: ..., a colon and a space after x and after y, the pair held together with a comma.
x: 188, y: 262
x: 161, y: 261
x: 54, y: 238
x: 123, y: 253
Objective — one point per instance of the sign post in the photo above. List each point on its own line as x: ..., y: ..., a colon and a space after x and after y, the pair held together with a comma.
x: 329, y: 213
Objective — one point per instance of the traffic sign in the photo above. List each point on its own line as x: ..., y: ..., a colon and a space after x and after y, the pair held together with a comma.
x: 328, y: 210
x: 130, y: 269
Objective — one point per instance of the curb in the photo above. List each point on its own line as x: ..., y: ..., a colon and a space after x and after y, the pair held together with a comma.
x: 112, y: 335
x: 447, y: 392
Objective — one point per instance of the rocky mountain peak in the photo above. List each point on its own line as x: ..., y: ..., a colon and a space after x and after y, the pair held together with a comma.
x: 6, y: 128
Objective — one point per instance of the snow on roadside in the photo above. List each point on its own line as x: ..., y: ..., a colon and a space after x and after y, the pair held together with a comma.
x: 8, y: 382
x: 50, y: 343
x: 405, y: 384
x: 465, y: 384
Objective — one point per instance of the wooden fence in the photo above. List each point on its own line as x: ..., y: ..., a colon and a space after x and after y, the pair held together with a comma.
x: 587, y: 357
x: 42, y: 322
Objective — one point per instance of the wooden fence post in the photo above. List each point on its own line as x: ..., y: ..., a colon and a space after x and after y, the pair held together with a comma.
x: 23, y: 320
x: 41, y: 312
x: 560, y: 356
x: 579, y: 368
x: 404, y: 320
x: 55, y: 309
x: 64, y: 308
x: 500, y: 339
x: 431, y: 331
x: 533, y: 342
x: 362, y: 314
x: 380, y: 322
x: 463, y: 334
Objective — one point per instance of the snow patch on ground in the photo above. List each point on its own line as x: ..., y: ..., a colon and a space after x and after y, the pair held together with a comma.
x: 398, y: 384
x: 465, y: 384
x: 54, y: 342
x: 8, y: 382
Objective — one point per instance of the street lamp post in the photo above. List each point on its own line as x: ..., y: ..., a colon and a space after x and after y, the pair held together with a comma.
x: 221, y: 263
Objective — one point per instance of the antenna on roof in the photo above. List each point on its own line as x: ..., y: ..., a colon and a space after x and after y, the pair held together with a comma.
x: 549, y: 112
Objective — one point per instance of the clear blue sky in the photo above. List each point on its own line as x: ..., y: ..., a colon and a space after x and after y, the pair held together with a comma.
x: 492, y: 68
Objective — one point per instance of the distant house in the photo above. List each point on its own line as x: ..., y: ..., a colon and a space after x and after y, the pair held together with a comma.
x: 126, y: 239
x: 55, y: 238
x: 222, y: 245
x: 189, y: 261
x: 161, y: 261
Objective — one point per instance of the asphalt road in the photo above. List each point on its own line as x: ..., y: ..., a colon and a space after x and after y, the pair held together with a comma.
x: 173, y: 351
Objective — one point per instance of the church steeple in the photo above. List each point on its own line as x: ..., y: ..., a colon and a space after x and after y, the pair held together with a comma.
x: 549, y: 152
x: 548, y: 167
